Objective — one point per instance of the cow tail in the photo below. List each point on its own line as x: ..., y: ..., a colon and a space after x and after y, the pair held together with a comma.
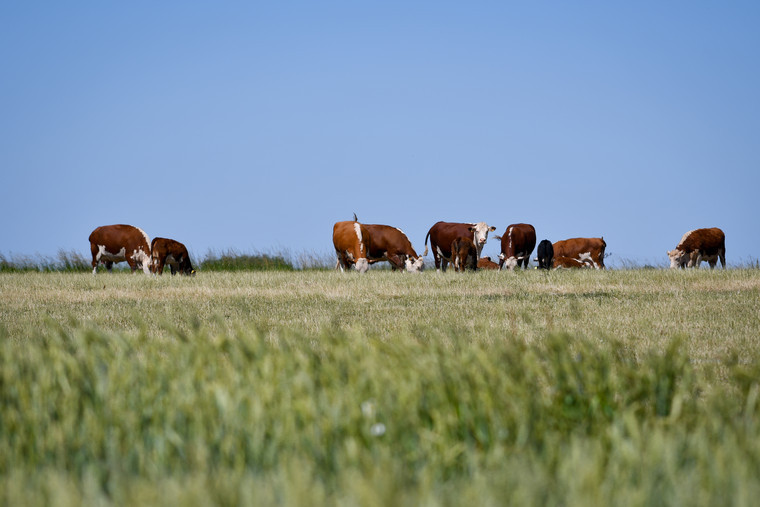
x: 426, y: 247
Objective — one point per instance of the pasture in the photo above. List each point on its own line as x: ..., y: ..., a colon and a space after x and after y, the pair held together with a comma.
x: 578, y: 387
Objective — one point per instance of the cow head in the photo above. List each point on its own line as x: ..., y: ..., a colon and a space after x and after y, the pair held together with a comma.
x: 362, y: 265
x: 480, y: 233
x: 414, y: 265
x: 678, y: 258
x: 510, y: 263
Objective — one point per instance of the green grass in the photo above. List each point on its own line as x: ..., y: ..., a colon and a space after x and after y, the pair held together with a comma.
x: 311, y: 388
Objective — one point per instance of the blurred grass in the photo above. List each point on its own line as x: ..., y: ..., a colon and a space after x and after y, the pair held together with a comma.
x: 314, y: 388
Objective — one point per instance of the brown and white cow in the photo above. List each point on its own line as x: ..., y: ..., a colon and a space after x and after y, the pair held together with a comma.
x: 171, y: 252
x: 352, y: 244
x: 580, y: 248
x: 584, y: 261
x: 391, y: 244
x: 118, y: 243
x: 697, y: 246
x: 517, y: 244
x: 442, y: 235
x: 487, y: 263
x: 464, y: 254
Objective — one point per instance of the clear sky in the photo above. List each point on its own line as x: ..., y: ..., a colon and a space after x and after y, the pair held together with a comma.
x: 255, y: 126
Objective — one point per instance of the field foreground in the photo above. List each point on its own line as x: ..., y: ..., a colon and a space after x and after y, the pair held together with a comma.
x: 308, y: 388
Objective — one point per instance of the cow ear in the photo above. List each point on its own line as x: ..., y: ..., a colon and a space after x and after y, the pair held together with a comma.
x: 472, y: 229
x: 492, y: 228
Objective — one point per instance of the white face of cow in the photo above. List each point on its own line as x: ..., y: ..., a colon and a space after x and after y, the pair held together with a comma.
x: 481, y: 230
x: 413, y: 265
x: 362, y: 265
x: 678, y: 258
x: 511, y: 263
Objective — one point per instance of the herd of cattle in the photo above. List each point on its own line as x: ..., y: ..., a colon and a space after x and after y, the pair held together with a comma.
x: 358, y: 245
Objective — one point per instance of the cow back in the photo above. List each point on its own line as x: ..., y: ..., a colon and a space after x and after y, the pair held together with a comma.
x: 115, y: 237
x: 709, y: 241
x: 384, y: 238
x: 518, y: 240
x: 443, y: 234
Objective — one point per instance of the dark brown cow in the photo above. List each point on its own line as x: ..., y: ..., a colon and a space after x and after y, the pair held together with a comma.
x: 464, y: 254
x: 569, y: 262
x: 517, y: 244
x: 578, y: 248
x: 697, y: 246
x: 118, y: 243
x: 487, y: 263
x: 171, y: 252
x: 352, y: 244
x: 443, y: 234
x: 391, y: 244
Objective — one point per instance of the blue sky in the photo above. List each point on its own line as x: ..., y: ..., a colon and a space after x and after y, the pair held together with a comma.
x: 255, y: 126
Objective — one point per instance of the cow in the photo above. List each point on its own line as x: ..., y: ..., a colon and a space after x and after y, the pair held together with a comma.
x: 697, y: 246
x: 575, y: 248
x: 545, y: 254
x: 391, y: 244
x: 171, y: 252
x: 487, y: 263
x: 442, y: 235
x: 352, y: 244
x: 583, y: 261
x: 118, y: 243
x: 517, y: 244
x: 464, y: 254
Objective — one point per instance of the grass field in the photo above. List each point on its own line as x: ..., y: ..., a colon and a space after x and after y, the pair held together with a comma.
x: 632, y: 387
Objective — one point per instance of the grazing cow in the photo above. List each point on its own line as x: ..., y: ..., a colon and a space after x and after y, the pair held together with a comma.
x: 517, y: 244
x: 487, y: 263
x: 697, y: 246
x: 545, y: 254
x: 575, y: 248
x: 583, y: 261
x: 464, y: 254
x: 352, y: 244
x: 167, y: 251
x: 443, y: 234
x: 118, y: 243
x: 391, y: 244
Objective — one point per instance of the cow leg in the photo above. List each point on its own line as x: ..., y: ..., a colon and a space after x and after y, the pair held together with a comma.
x: 436, y: 256
x: 173, y: 268
x: 94, y: 250
x: 159, y: 265
x: 109, y: 266
x: 722, y: 255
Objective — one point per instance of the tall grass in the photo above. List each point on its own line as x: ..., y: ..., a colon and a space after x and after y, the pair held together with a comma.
x: 571, y: 388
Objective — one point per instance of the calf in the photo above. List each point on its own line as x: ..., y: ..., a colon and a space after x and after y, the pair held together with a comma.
x: 697, y: 246
x: 119, y: 243
x: 487, y: 263
x: 545, y: 254
x: 171, y: 252
x: 443, y: 234
x: 575, y: 248
x: 464, y: 254
x: 584, y: 261
x: 352, y: 245
x: 517, y: 244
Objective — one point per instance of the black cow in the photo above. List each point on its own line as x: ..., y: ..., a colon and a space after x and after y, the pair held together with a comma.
x: 545, y: 254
